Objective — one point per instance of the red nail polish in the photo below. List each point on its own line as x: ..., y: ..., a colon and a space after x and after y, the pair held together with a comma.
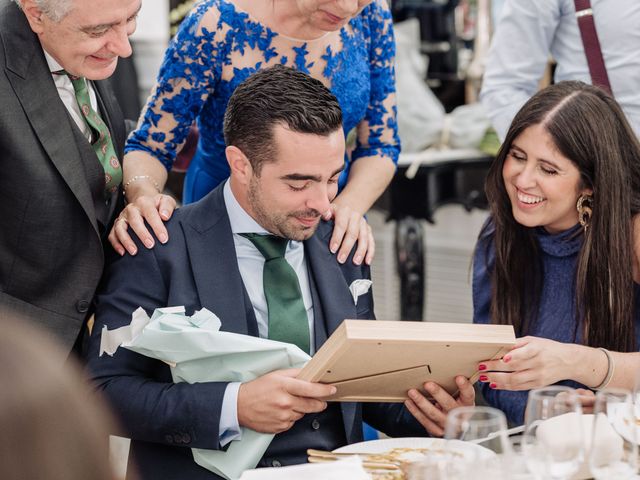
x: 483, y: 378
x: 482, y: 366
x: 493, y: 385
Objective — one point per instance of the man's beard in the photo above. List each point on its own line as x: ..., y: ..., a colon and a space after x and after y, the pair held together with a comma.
x: 283, y: 225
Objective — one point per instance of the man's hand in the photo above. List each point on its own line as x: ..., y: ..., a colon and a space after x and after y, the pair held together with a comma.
x: 432, y: 415
x: 274, y: 402
x: 349, y: 227
x: 152, y: 209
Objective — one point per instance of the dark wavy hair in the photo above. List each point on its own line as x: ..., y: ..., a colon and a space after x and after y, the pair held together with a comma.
x: 277, y: 95
x: 588, y: 127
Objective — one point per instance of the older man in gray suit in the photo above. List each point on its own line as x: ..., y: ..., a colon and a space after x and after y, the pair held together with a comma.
x: 61, y: 141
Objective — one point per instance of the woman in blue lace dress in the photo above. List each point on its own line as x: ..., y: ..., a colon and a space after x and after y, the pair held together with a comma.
x: 556, y: 259
x: 346, y: 44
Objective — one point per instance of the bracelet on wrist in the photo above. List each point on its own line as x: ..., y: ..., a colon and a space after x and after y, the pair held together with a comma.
x: 611, y: 366
x: 136, y: 178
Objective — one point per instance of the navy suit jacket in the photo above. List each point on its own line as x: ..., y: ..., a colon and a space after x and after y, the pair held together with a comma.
x: 198, y: 268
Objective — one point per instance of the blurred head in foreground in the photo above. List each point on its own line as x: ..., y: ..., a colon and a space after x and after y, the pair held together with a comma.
x: 52, y: 424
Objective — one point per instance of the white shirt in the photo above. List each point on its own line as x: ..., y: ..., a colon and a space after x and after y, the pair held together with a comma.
x: 529, y: 31
x: 251, y: 265
x: 68, y: 96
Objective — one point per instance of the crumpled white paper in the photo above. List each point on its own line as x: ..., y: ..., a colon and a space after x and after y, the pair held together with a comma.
x: 198, y: 352
x: 359, y: 287
x: 349, y: 468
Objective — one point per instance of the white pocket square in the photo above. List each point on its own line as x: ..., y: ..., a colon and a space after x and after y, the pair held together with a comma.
x: 359, y: 287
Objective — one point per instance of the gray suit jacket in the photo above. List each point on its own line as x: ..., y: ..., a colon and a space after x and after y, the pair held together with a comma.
x: 198, y: 268
x: 53, y: 219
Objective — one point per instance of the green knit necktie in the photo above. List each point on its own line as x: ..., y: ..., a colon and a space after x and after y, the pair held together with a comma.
x: 103, y: 146
x: 288, y: 321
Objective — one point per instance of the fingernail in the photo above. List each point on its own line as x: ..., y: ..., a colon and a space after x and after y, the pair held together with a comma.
x: 165, y: 214
x: 133, y: 251
x: 413, y: 394
x: 148, y: 243
x: 334, y: 247
x: 482, y: 366
x: 342, y: 258
x: 506, y: 358
x: 493, y: 385
x: 483, y: 378
x: 430, y: 387
x: 163, y: 238
x: 333, y: 390
x: 357, y: 259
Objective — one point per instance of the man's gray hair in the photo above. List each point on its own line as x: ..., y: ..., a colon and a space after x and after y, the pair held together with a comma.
x: 56, y: 10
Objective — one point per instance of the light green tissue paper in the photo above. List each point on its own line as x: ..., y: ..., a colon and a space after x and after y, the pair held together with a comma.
x: 197, y: 351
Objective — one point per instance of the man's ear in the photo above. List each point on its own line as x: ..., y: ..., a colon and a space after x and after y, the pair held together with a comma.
x: 34, y: 15
x: 239, y: 165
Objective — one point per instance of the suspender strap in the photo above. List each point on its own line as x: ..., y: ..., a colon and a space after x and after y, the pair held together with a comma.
x: 597, y: 69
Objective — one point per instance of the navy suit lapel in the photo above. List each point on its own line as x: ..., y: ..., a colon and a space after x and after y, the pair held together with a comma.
x: 332, y: 303
x: 336, y: 301
x: 31, y: 80
x: 214, y: 264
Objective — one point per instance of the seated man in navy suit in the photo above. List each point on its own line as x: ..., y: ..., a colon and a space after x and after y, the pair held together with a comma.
x: 286, y: 151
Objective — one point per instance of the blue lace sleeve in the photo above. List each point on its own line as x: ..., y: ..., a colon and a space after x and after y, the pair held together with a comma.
x: 378, y: 131
x: 189, y: 73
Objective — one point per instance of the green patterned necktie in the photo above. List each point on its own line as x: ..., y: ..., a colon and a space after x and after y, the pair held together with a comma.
x: 102, y: 145
x: 288, y: 321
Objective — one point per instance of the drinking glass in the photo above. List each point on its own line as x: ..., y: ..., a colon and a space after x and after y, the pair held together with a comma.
x: 485, y: 426
x: 614, y: 450
x: 553, y: 440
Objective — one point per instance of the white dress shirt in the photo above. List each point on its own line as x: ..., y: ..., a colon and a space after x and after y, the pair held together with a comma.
x: 68, y: 96
x: 251, y: 265
x: 529, y: 31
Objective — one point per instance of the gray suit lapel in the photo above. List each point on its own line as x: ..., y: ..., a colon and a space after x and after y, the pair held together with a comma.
x: 214, y: 264
x: 108, y: 107
x: 29, y: 76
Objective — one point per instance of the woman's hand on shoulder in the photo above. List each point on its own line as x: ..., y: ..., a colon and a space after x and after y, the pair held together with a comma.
x: 350, y: 227
x: 533, y: 362
x: 152, y: 209
x: 432, y: 414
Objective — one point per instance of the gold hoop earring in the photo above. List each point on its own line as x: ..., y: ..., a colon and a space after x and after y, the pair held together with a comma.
x: 585, y: 210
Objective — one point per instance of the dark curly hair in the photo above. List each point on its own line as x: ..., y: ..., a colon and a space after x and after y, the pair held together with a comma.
x: 277, y: 95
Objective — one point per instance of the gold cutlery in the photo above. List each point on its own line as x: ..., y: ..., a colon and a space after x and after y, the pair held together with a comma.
x: 319, y: 456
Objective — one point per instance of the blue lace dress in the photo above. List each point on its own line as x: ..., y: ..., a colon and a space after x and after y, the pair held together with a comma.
x: 218, y: 46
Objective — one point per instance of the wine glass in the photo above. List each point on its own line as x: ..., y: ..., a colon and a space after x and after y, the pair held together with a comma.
x: 614, y: 450
x: 485, y: 426
x: 553, y: 440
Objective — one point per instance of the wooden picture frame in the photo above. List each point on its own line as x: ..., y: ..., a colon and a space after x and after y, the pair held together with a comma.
x: 379, y: 361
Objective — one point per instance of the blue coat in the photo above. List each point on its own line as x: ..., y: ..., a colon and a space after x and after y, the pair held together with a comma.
x: 198, y: 268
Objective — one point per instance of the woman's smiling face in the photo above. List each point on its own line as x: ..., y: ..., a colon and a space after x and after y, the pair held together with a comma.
x: 542, y: 184
x: 331, y: 15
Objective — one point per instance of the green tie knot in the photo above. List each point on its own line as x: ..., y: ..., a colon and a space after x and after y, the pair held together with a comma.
x: 102, y: 143
x: 270, y: 246
x: 288, y: 321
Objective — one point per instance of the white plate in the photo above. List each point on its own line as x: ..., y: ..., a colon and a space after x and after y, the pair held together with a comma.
x: 467, y: 449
